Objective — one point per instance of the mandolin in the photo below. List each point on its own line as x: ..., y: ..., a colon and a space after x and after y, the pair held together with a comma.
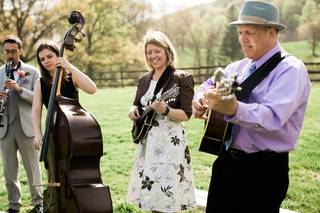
x: 142, y: 126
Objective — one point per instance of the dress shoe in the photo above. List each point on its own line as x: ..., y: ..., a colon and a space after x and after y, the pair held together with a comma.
x: 37, y: 209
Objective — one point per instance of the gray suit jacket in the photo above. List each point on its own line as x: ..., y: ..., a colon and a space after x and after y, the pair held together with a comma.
x: 25, y: 99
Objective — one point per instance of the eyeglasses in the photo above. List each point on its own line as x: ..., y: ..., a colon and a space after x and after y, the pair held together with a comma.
x: 13, y: 51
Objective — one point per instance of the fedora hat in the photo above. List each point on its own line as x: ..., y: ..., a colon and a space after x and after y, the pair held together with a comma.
x: 259, y: 13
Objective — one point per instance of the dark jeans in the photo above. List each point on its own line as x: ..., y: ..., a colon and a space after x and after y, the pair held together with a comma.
x: 250, y: 183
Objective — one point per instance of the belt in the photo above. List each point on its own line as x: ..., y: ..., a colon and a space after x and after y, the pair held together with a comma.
x: 241, y: 155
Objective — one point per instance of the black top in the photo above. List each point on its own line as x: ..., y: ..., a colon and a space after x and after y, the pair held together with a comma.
x: 67, y: 90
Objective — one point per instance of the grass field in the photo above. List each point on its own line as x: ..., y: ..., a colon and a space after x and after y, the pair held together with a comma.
x: 302, y: 50
x: 110, y: 106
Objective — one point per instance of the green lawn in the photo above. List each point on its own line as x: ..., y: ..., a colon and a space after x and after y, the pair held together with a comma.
x: 302, y: 50
x: 110, y: 106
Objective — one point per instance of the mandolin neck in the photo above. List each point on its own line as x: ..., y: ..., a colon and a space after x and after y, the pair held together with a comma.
x: 149, y: 109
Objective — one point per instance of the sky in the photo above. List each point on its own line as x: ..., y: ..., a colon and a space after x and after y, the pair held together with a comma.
x: 172, y: 5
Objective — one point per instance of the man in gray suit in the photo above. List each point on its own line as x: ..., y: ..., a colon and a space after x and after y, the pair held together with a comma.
x: 17, y: 83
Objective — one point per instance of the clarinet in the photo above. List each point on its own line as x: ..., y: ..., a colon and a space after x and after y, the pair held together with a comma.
x: 3, y: 101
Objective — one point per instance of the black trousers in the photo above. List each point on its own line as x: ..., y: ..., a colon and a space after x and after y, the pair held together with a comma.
x: 251, y: 183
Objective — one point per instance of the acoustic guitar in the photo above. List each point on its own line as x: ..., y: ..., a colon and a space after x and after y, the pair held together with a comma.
x: 215, y: 129
x: 142, y: 126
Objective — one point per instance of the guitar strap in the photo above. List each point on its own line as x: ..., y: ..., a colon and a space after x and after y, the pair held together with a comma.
x: 162, y: 80
x: 254, y: 79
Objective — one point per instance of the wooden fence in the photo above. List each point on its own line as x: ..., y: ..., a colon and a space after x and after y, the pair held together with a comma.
x: 122, y: 78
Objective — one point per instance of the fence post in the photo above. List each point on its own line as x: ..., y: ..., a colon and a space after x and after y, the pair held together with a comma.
x: 121, y: 78
x: 100, y: 79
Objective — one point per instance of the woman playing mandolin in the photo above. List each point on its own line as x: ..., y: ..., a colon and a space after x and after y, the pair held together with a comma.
x: 73, y: 78
x: 162, y: 178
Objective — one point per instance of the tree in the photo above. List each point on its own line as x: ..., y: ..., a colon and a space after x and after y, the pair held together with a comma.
x: 195, y: 37
x: 290, y: 12
x: 177, y: 30
x: 183, y: 29
x: 214, y: 23
x: 185, y: 32
x: 31, y: 20
x: 139, y: 15
x: 230, y: 47
x: 107, y: 43
x: 310, y: 22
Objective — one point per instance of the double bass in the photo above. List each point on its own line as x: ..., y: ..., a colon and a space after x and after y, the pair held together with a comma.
x: 72, y: 147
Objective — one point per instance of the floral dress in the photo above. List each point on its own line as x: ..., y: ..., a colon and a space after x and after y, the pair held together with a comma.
x: 161, y: 177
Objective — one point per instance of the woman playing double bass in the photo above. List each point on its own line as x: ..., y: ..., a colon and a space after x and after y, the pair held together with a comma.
x: 73, y: 78
x: 56, y: 196
x: 72, y: 142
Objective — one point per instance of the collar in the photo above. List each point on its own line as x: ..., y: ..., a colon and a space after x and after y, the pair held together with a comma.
x: 268, y: 55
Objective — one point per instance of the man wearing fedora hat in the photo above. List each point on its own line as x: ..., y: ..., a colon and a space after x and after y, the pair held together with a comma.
x: 266, y: 116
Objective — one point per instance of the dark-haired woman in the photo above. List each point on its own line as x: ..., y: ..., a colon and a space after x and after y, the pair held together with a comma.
x: 73, y: 78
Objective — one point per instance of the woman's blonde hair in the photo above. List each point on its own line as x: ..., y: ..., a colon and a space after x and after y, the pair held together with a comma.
x: 161, y: 40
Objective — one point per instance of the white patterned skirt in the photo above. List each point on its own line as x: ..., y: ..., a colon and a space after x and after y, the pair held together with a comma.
x: 161, y: 177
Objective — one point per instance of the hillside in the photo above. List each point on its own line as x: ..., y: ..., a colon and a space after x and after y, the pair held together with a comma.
x: 198, y: 32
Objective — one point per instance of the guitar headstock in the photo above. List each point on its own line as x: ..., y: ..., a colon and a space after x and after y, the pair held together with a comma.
x: 170, y: 94
x: 226, y: 85
x: 218, y: 74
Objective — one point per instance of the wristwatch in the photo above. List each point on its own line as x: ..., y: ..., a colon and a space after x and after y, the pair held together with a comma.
x: 166, y: 111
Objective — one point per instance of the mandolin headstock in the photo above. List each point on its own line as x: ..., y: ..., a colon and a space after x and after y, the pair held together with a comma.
x: 170, y: 94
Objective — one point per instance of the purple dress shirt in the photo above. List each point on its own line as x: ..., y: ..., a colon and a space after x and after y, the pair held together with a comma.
x: 272, y: 116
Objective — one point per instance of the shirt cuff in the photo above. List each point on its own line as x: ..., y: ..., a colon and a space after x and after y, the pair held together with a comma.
x: 238, y: 115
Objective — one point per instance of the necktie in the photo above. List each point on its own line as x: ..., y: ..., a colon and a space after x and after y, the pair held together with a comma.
x: 251, y: 70
x: 11, y: 74
x: 230, y: 130
x: 228, y: 139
